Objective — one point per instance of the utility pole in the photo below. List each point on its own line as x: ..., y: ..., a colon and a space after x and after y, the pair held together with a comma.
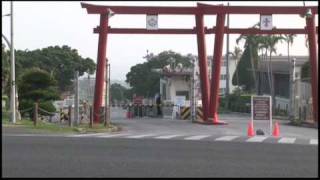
x: 13, y: 73
x: 193, y: 104
x: 227, y: 60
x: 292, y: 90
x: 107, y: 97
x: 76, y: 99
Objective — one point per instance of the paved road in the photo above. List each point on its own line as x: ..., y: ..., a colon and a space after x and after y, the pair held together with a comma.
x: 40, y: 156
x: 237, y: 126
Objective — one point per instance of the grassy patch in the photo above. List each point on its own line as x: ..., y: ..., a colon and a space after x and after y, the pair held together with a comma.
x: 46, y: 127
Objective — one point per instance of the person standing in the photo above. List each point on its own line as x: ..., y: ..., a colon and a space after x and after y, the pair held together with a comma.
x: 158, y: 102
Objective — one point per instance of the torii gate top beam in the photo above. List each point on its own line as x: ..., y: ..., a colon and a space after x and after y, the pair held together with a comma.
x: 201, y: 9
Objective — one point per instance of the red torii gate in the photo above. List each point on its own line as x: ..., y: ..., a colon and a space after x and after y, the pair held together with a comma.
x: 209, y: 93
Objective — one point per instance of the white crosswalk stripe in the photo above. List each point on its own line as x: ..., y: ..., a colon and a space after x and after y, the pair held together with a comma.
x: 287, y: 140
x: 257, y: 139
x: 111, y: 135
x: 85, y: 135
x: 198, y: 137
x: 226, y: 138
x: 314, y: 141
x: 167, y: 137
x: 141, y: 136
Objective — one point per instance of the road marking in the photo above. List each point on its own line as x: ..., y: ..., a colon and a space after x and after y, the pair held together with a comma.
x: 256, y: 139
x: 167, y: 137
x: 196, y: 137
x: 84, y: 135
x: 287, y: 140
x: 111, y: 135
x: 226, y: 138
x: 314, y: 141
x: 140, y: 136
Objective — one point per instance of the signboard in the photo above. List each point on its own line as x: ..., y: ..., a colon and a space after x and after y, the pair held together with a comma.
x: 266, y: 22
x: 152, y: 22
x: 137, y: 100
x: 261, y: 109
x: 180, y: 100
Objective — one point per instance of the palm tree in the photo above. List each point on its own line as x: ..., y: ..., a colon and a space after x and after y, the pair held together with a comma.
x: 289, y: 39
x: 271, y: 42
x: 251, y: 42
x: 236, y: 54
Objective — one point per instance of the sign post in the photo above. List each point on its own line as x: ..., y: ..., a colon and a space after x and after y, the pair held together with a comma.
x: 261, y: 109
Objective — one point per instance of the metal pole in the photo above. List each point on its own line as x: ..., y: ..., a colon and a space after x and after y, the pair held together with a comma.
x: 227, y: 60
x: 13, y: 73
x: 109, y: 99
x: 76, y: 99
x: 193, y: 105
x: 292, y: 90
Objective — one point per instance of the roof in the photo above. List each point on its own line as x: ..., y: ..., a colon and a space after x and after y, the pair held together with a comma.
x: 280, y: 64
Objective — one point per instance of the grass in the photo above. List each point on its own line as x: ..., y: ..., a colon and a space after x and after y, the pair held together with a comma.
x: 46, y: 127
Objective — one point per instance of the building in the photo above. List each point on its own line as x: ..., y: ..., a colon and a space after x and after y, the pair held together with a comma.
x: 177, y: 81
x: 281, y: 77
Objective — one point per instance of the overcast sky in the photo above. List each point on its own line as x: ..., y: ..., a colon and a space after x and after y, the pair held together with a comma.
x: 42, y: 24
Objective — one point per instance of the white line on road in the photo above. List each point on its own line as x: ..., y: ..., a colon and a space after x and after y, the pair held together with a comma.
x: 226, y: 138
x: 167, y: 137
x: 256, y: 139
x: 287, y: 140
x: 314, y: 141
x: 111, y: 135
x: 84, y: 135
x: 140, y: 136
x: 198, y: 137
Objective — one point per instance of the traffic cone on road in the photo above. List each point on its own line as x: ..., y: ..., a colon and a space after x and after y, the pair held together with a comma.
x: 250, y: 129
x: 276, y: 130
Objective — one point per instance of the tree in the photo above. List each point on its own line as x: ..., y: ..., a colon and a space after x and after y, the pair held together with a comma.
x: 117, y: 92
x: 251, y: 43
x: 236, y: 54
x: 144, y: 81
x: 289, y: 39
x: 271, y: 43
x: 36, y: 85
x: 306, y: 72
x: 5, y: 75
x: 60, y: 62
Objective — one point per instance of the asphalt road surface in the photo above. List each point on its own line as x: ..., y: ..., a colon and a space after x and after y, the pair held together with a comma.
x: 42, y: 156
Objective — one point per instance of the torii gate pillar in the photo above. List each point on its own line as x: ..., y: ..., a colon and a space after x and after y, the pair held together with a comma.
x: 202, y: 55
x: 101, y: 67
x: 216, y: 66
x: 311, y: 30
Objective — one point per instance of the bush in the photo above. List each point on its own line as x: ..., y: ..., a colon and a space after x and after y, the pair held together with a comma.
x: 239, y: 103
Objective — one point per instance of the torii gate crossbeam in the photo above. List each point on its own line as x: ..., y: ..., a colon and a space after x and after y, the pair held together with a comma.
x: 209, y: 97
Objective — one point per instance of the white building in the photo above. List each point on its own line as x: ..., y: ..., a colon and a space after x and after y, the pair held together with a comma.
x: 178, y: 82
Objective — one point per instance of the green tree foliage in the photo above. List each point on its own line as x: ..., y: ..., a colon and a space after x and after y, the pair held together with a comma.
x: 36, y: 85
x: 306, y: 71
x: 143, y: 81
x: 117, y: 92
x: 5, y: 75
x: 60, y: 62
x: 245, y: 78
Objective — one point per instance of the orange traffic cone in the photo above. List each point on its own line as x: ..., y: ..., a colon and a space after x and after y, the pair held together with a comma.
x: 276, y: 130
x: 250, y: 129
